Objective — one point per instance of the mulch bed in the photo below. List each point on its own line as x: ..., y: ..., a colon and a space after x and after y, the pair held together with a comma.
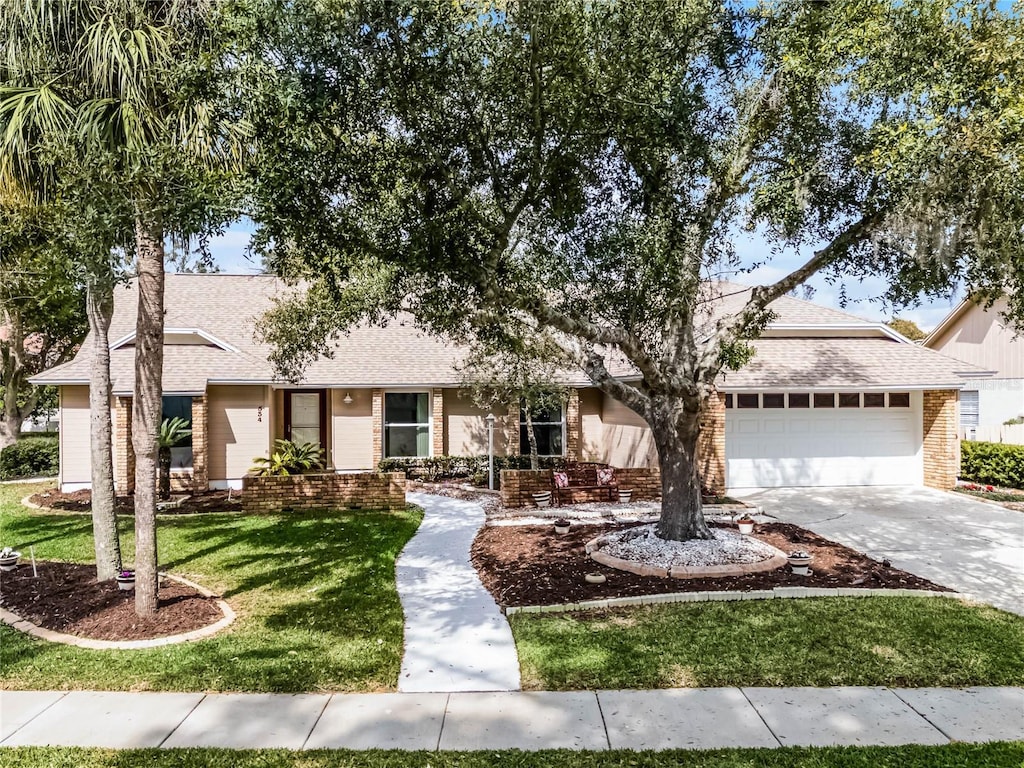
x: 532, y: 565
x: 81, y: 501
x: 67, y: 598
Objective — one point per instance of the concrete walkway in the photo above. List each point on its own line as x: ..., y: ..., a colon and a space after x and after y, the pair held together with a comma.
x: 456, y: 638
x: 702, y: 718
x: 949, y: 538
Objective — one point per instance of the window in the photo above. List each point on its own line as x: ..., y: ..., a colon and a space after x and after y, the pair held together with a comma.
x: 799, y: 400
x: 548, y: 427
x: 406, y: 424
x: 747, y: 401
x: 899, y: 399
x: 773, y: 400
x: 824, y: 400
x: 969, y: 412
x: 728, y: 400
x: 849, y: 399
x: 874, y: 400
x: 174, y: 406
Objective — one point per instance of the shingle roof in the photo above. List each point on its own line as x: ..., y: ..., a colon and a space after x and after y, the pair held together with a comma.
x: 227, y: 306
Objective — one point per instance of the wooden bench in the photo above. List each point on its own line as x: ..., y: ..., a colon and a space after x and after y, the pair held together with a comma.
x: 582, y: 476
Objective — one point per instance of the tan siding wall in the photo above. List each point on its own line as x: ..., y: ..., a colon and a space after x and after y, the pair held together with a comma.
x: 591, y: 427
x: 465, y: 427
x: 979, y: 337
x: 352, y: 429
x: 236, y: 433
x: 627, y: 438
x: 75, y: 461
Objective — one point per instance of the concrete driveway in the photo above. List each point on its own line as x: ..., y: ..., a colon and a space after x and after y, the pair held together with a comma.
x: 953, y: 540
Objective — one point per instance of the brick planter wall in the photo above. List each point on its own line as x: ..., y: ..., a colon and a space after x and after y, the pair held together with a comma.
x: 358, y: 490
x: 517, y: 485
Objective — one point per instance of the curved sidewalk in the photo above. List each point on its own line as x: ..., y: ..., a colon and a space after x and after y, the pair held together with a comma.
x: 456, y: 638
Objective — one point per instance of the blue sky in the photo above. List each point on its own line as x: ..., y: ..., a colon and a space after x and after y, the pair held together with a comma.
x: 229, y: 252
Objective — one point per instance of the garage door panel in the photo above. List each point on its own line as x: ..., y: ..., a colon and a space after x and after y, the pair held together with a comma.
x: 768, y: 449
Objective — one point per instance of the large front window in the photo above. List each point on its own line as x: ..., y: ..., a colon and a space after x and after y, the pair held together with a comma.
x: 406, y: 424
x: 548, y: 426
x: 174, y: 406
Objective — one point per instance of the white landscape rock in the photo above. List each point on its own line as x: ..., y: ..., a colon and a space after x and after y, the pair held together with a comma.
x: 642, y: 545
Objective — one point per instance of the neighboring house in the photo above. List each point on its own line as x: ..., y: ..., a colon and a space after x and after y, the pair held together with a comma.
x: 829, y: 399
x: 980, y: 337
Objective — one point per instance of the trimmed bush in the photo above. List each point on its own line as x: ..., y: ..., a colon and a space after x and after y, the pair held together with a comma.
x: 999, y: 464
x: 30, y: 457
x: 474, y: 468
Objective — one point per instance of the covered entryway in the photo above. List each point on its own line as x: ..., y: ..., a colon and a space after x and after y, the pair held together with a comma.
x: 775, y: 440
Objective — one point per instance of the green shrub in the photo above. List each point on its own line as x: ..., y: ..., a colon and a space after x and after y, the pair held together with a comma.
x: 992, y: 463
x: 289, y: 458
x: 31, y: 456
x: 473, y: 468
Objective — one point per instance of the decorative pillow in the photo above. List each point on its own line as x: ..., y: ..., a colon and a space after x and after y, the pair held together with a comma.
x: 561, y: 480
x: 605, y: 476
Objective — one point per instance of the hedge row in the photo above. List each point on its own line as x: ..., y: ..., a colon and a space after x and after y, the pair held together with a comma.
x: 999, y: 464
x: 474, y: 468
x: 31, y: 456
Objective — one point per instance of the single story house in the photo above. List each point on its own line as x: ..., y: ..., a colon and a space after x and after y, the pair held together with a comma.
x: 979, y: 336
x: 829, y: 399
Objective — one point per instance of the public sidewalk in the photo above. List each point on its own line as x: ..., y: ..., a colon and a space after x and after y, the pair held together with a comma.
x: 702, y: 718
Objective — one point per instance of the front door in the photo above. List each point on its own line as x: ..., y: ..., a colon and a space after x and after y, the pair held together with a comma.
x: 304, y: 417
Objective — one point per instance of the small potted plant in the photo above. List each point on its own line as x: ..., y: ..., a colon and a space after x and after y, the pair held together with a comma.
x: 542, y: 498
x: 125, y: 580
x: 625, y: 495
x: 746, y: 524
x: 799, y: 562
x: 9, y: 559
x: 595, y: 578
x: 562, y: 525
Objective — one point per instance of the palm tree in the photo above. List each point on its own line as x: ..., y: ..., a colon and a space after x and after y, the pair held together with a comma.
x: 172, y: 432
x: 107, y: 79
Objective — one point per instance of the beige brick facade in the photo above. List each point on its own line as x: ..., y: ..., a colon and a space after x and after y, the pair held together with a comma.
x: 377, y: 417
x: 124, y: 452
x: 940, y: 442
x: 437, y: 422
x: 711, y: 445
x: 572, y: 426
x: 512, y: 447
x: 200, y: 446
x: 352, y: 491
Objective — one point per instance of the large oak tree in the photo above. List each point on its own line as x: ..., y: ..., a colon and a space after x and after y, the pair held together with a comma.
x: 587, y: 168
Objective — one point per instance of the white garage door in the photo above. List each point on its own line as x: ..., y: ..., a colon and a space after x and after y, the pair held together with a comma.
x: 771, y: 447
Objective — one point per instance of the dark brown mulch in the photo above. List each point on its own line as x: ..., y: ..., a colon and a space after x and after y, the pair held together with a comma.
x: 532, y: 565
x: 81, y: 501
x: 67, y: 598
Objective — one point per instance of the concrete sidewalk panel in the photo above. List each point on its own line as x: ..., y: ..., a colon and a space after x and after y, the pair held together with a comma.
x: 380, y: 721
x: 708, y: 718
x: 528, y: 721
x: 819, y: 717
x: 19, y: 707
x: 971, y: 714
x: 250, y: 721
x: 107, y: 719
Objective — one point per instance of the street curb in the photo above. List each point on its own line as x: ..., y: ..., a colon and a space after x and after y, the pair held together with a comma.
x: 778, y: 593
x: 23, y: 625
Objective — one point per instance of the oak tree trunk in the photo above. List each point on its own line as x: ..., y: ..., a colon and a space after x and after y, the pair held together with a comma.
x: 675, y: 430
x: 13, y: 380
x: 99, y: 306
x: 146, y: 405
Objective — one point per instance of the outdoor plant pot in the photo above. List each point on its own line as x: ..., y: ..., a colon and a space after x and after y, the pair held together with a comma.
x: 746, y: 525
x: 542, y: 499
x: 562, y: 526
x: 125, y: 580
x: 9, y: 559
x: 799, y: 562
x: 625, y: 495
x: 596, y: 578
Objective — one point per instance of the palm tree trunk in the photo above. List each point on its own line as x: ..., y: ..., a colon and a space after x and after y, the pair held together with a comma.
x: 99, y: 306
x: 165, y: 472
x: 146, y: 405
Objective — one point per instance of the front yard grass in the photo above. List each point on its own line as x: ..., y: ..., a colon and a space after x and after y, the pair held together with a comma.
x: 996, y: 755
x: 315, y: 597
x: 892, y: 641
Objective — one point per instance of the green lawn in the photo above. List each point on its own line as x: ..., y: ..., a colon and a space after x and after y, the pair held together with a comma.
x: 315, y: 597
x: 999, y: 755
x: 819, y: 642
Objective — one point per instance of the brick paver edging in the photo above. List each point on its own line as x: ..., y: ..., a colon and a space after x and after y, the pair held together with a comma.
x: 702, y: 597
x: 23, y: 625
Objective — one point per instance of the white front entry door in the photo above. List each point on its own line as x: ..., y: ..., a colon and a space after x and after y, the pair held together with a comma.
x: 773, y: 448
